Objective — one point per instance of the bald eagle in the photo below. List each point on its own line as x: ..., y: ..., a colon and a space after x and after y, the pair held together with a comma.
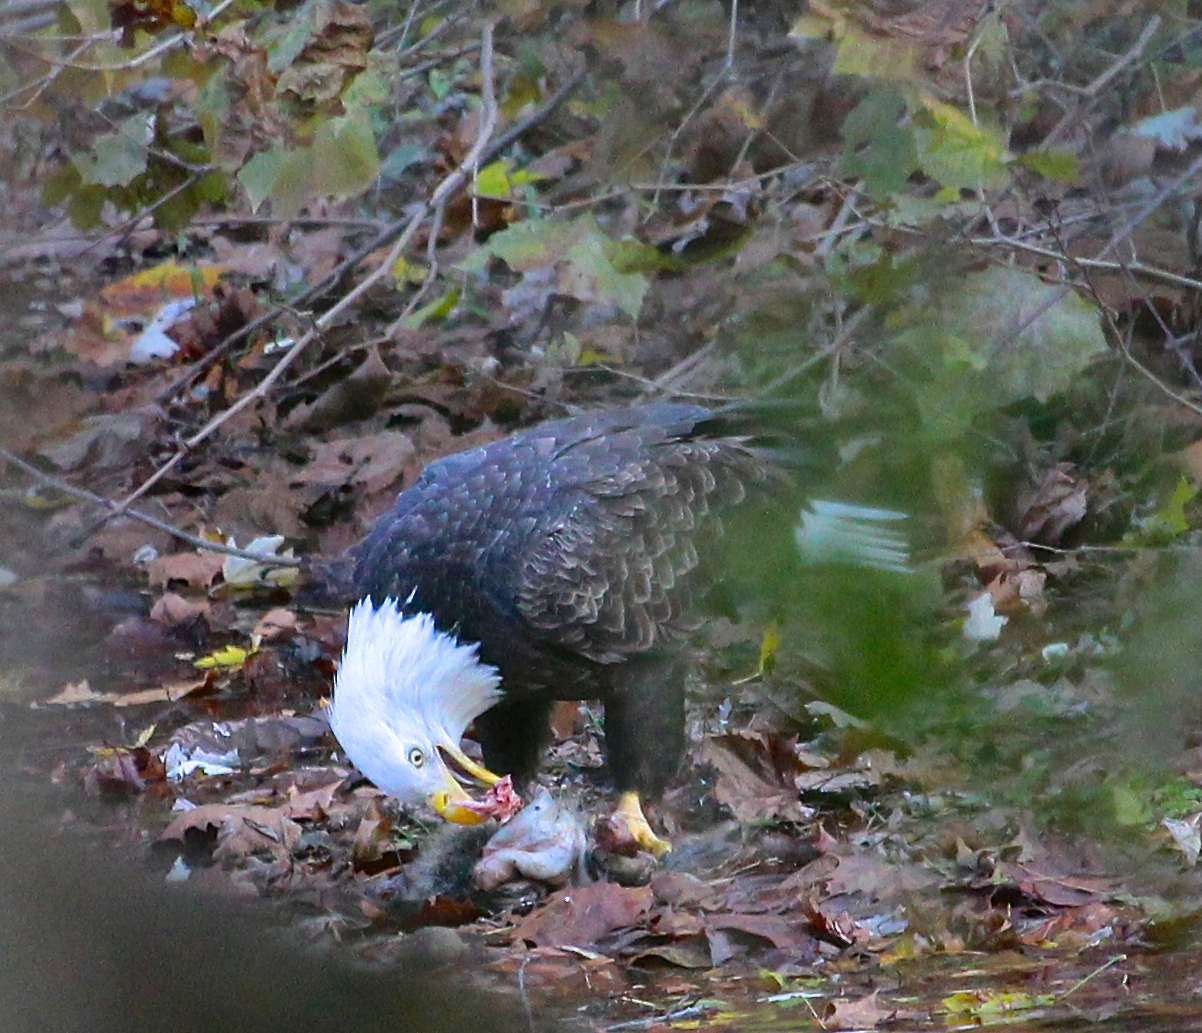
x: 555, y: 564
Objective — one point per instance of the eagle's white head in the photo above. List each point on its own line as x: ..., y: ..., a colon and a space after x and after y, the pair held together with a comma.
x: 404, y: 695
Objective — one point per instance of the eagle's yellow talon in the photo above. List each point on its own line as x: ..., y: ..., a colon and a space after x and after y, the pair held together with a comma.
x: 631, y: 811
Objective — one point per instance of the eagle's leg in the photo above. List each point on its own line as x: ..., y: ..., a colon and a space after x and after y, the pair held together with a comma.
x: 644, y: 737
x: 512, y: 735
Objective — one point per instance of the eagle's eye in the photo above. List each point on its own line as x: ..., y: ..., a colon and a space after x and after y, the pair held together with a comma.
x: 416, y: 757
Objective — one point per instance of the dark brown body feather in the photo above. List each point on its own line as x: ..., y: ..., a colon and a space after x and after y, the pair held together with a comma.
x: 568, y: 551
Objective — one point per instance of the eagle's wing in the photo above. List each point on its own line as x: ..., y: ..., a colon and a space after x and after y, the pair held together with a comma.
x: 604, y: 574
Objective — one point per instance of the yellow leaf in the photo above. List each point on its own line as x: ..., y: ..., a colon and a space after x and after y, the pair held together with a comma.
x: 769, y: 646
x: 229, y: 657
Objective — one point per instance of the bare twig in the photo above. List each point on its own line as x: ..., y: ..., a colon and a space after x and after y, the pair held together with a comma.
x: 189, y: 539
x: 1137, y: 269
x: 1073, y: 114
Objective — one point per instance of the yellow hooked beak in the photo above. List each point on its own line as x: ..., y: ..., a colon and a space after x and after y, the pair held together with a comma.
x: 448, y: 802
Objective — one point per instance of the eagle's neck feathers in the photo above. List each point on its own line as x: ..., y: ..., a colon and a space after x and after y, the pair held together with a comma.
x: 403, y: 666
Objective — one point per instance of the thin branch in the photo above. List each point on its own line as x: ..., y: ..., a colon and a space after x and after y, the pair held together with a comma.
x: 1134, y: 268
x: 189, y: 539
x: 1073, y: 114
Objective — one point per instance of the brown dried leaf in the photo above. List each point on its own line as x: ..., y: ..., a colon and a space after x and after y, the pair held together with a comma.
x: 779, y: 931
x: 753, y: 793
x: 1054, y: 503
x: 863, y: 1013
x: 163, y: 694
x: 74, y: 693
x: 171, y: 608
x: 195, y: 569
x: 105, y: 442
x: 354, y: 397
x: 242, y: 830
x: 583, y: 915
x: 867, y: 873
x: 375, y: 461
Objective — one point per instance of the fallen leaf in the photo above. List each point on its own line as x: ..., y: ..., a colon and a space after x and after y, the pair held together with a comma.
x: 241, y: 830
x: 171, y: 608
x: 749, y: 782
x: 375, y: 461
x: 863, y: 1013
x: 1053, y: 504
x: 229, y: 658
x: 74, y: 693
x: 352, y: 398
x: 870, y: 874
x: 163, y: 694
x: 779, y: 931
x: 274, y: 623
x: 195, y: 569
x: 583, y: 915
x: 108, y: 441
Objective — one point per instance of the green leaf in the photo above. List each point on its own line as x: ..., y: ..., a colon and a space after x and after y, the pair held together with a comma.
x: 439, y: 308
x: 956, y: 152
x: 877, y: 147
x: 345, y: 159
x: 1031, y: 337
x: 527, y: 245
x: 258, y: 176
x: 286, y: 47
x: 877, y: 57
x: 373, y: 86
x: 590, y: 265
x: 407, y: 154
x: 1167, y: 523
x: 498, y: 179
x: 60, y: 184
x: 86, y: 206
x: 1052, y: 164
x: 118, y: 157
x: 590, y: 276
x: 293, y: 186
x: 633, y: 256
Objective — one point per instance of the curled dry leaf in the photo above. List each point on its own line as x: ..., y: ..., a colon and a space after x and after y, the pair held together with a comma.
x: 1056, y: 502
